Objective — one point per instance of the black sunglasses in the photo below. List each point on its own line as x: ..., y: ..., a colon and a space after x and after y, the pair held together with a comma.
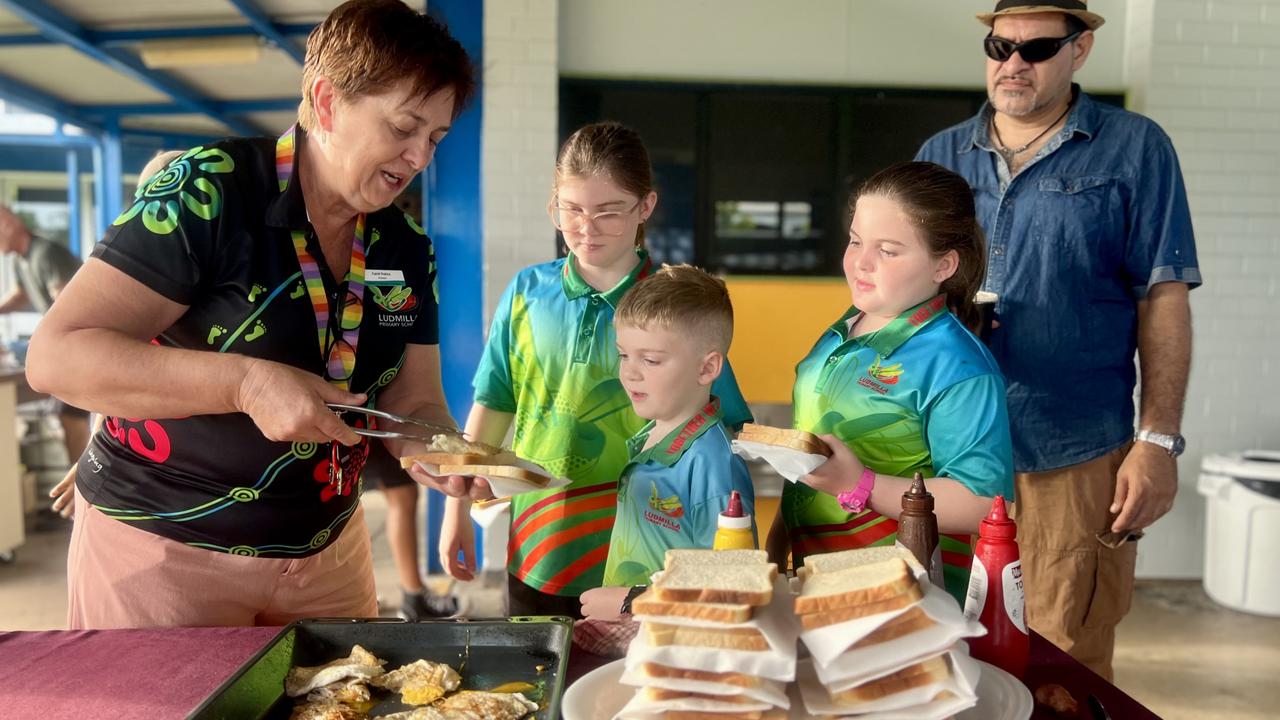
x: 1032, y: 51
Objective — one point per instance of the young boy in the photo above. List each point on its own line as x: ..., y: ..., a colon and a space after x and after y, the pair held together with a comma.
x: 673, y: 331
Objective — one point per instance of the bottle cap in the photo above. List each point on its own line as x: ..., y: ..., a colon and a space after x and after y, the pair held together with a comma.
x: 918, y: 498
x: 996, y: 524
x: 733, y: 517
x: 735, y: 505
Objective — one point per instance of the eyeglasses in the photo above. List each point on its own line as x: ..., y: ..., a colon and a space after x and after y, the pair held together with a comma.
x: 1032, y: 51
x: 574, y: 220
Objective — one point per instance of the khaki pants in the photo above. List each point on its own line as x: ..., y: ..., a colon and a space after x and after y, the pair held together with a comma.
x: 120, y: 577
x: 1077, y: 589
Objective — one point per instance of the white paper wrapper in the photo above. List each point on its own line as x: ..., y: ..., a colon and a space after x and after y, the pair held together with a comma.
x: 790, y: 464
x: 641, y: 709
x: 776, y: 621
x: 491, y: 512
x: 770, y: 691
x: 766, y: 663
x: 829, y: 644
x: 913, y: 704
x: 505, y: 486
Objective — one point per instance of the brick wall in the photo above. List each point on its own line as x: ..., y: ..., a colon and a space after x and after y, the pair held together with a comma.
x: 1209, y: 73
x: 519, y: 138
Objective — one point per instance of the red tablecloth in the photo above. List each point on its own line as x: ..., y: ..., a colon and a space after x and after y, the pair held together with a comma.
x: 166, y: 673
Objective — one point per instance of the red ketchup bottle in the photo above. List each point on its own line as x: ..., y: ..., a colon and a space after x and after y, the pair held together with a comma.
x: 995, y: 596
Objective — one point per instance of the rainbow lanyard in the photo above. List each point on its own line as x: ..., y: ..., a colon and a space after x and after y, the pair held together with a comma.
x: 340, y: 353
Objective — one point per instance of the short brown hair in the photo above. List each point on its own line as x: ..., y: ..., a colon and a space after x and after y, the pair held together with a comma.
x: 610, y: 149
x: 368, y: 46
x: 681, y: 298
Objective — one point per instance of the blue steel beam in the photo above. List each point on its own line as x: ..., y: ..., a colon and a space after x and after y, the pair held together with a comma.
x: 106, y: 38
x: 228, y: 107
x: 260, y: 22
x: 63, y: 29
x: 20, y: 93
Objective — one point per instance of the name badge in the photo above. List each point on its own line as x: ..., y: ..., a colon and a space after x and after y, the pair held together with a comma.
x: 372, y: 277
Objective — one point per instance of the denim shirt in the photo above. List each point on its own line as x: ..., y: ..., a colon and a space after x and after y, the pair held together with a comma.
x: 1074, y: 241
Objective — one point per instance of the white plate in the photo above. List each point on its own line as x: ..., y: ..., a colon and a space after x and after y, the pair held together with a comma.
x: 599, y: 696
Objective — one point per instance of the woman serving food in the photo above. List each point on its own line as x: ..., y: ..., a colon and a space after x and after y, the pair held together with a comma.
x: 250, y: 284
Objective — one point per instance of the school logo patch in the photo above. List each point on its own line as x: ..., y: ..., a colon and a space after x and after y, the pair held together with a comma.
x: 664, y: 512
x: 669, y: 506
x: 887, y: 374
x: 395, y: 299
x: 393, y: 296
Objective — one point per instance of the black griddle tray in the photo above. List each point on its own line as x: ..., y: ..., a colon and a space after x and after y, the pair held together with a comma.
x: 487, y: 653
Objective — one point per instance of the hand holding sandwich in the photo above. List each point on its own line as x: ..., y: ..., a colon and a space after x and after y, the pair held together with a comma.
x: 838, y: 474
x: 959, y: 510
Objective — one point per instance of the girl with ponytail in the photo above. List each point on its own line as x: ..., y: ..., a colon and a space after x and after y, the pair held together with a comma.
x: 899, y: 385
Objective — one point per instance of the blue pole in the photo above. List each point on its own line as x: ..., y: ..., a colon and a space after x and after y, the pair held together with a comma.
x: 101, y: 219
x: 112, y: 171
x: 73, y: 200
x: 452, y: 212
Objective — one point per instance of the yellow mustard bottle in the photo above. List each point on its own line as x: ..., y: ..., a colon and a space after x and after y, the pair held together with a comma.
x: 733, y: 528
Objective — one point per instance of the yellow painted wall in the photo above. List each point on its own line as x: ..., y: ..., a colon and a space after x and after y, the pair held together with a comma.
x: 776, y: 321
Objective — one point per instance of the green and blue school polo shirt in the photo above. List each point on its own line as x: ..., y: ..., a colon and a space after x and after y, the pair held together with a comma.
x: 551, y: 359
x: 920, y: 395
x: 672, y: 494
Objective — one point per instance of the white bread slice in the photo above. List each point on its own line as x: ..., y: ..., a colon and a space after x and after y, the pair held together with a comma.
x: 934, y: 670
x: 913, y: 620
x: 775, y: 714
x: 657, y: 694
x: 815, y: 620
x: 748, y: 639
x: 656, y: 670
x: 855, y: 586
x: 737, y: 584
x: 444, y: 458
x: 502, y: 471
x: 698, y: 556
x: 785, y: 437
x: 845, y: 559
x: 647, y: 603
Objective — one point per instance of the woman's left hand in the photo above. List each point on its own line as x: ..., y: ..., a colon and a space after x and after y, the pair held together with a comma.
x: 838, y: 474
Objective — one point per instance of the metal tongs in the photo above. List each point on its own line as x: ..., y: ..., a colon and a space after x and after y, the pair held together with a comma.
x: 375, y: 433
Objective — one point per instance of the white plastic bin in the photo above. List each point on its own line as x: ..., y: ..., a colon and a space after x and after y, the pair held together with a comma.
x: 1242, y: 530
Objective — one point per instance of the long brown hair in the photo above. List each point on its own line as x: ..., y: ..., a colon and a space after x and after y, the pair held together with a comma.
x: 940, y: 205
x: 610, y: 149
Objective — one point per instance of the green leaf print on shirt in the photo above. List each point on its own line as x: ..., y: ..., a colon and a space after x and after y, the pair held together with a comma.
x: 576, y: 425
x: 158, y: 200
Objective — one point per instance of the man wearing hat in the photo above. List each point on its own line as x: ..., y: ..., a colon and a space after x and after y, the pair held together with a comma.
x: 1091, y: 252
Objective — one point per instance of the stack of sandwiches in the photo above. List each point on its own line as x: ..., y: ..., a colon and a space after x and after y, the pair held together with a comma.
x: 877, y: 645
x: 716, y: 641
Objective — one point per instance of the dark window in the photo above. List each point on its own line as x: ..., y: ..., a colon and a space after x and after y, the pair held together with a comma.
x: 756, y: 179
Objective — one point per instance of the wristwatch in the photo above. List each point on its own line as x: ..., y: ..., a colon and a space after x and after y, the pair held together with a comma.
x: 1172, y: 444
x: 856, y: 499
x: 635, y: 592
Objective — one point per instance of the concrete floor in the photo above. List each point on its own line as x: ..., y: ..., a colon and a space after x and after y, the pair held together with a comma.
x: 1177, y: 652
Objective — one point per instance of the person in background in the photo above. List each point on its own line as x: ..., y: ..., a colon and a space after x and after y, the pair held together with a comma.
x: 550, y: 367
x: 1092, y: 255
x: 43, y: 268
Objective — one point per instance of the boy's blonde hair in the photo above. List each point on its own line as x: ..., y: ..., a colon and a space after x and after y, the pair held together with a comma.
x: 682, y: 298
